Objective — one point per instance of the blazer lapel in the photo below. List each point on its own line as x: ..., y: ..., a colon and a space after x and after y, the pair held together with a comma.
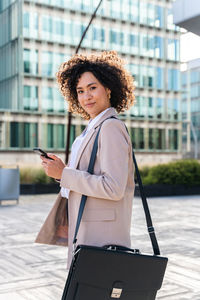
x: 109, y: 113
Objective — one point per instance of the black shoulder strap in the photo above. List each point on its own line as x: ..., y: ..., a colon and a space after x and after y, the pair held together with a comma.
x: 144, y: 200
x: 84, y: 197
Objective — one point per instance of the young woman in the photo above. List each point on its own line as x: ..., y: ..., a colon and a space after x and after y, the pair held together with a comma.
x: 97, y: 87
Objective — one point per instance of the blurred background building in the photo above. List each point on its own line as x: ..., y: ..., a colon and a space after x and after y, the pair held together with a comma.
x: 191, y: 109
x: 38, y: 35
x: 187, y: 15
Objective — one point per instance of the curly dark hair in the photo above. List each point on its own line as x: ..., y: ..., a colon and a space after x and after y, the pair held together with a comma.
x: 108, y: 68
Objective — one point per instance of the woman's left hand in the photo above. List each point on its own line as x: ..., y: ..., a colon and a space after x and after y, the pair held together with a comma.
x: 53, y: 168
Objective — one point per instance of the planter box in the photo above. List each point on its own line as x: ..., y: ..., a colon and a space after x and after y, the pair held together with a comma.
x: 31, y: 189
x: 154, y: 190
x: 9, y: 184
x: 159, y: 190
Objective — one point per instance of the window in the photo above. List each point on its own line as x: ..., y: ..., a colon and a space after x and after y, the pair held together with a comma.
x: 47, y: 99
x: 195, y: 76
x: 14, y: 134
x: 30, y: 61
x: 30, y: 98
x: 47, y: 24
x: 160, y: 139
x: 116, y: 9
x: 141, y: 138
x: 173, y: 109
x: 59, y: 101
x: 158, y: 47
x: 159, y: 16
x: 151, y: 77
x: 47, y: 63
x: 50, y: 135
x: 134, y: 10
x: 133, y: 137
x: 23, y: 135
x: 151, y: 139
x: 134, y: 69
x: 151, y: 108
x: 116, y: 39
x: 30, y: 24
x: 151, y: 14
x: 143, y: 12
x: 195, y: 91
x: 97, y: 36
x: 159, y: 108
x: 173, y: 50
x: 173, y: 139
x: 26, y: 20
x: 159, y: 78
x: 173, y: 79
x: 170, y: 21
x: 60, y: 136
x: 52, y: 100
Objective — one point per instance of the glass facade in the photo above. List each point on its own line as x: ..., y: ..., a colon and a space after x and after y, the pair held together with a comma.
x: 150, y: 139
x: 23, y: 135
x: 155, y: 108
x: 173, y: 80
x: 50, y: 62
x: 30, y: 99
x: 173, y: 49
x: 141, y: 31
x: 30, y: 24
x: 148, y: 76
x: 53, y: 136
x: 30, y: 61
x: 52, y: 101
x: 190, y: 80
x: 128, y: 10
x: 69, y: 31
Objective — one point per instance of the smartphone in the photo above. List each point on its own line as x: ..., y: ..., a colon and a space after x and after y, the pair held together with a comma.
x: 41, y: 152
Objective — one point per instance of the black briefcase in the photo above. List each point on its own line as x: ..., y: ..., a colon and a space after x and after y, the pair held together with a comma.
x: 113, y: 271
x: 99, y: 273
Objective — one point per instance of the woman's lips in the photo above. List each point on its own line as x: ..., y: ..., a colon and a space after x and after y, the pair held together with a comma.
x: 90, y: 104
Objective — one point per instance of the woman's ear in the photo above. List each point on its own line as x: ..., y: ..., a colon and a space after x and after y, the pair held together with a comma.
x: 108, y: 91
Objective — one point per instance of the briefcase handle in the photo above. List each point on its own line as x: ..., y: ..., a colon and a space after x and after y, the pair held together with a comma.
x: 149, y: 223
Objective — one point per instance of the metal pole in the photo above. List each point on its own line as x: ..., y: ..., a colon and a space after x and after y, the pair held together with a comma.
x: 69, y: 113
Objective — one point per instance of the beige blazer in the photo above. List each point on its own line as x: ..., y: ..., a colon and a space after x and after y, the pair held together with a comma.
x: 107, y: 214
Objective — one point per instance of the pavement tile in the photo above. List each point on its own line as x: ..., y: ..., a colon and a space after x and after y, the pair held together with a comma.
x: 31, y: 271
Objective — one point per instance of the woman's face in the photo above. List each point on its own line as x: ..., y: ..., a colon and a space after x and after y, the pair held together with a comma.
x: 92, y: 95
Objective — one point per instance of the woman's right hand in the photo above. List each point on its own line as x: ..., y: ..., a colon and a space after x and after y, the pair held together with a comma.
x: 53, y: 168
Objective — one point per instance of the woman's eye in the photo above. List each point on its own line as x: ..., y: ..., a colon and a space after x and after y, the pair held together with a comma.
x: 93, y: 87
x: 79, y: 92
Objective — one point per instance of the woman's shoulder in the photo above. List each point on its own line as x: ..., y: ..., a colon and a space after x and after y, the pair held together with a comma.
x: 115, y: 126
x: 114, y: 122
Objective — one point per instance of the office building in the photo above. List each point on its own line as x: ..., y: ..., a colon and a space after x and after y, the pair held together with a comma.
x: 38, y: 35
x: 191, y: 109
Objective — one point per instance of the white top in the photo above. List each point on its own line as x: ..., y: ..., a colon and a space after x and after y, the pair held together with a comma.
x: 76, y: 146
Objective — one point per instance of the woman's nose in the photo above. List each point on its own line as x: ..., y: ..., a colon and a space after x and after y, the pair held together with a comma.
x: 87, y: 95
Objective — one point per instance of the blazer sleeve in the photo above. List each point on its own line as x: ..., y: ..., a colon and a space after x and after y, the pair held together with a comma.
x: 114, y: 149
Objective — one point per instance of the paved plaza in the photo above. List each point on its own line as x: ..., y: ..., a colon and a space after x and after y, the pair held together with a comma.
x: 31, y: 271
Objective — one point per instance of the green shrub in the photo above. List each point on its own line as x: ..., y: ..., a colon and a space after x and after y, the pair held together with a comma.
x: 180, y: 172
x: 34, y: 175
x: 144, y: 171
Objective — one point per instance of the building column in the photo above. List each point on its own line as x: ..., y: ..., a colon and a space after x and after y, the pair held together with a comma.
x: 7, y: 135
